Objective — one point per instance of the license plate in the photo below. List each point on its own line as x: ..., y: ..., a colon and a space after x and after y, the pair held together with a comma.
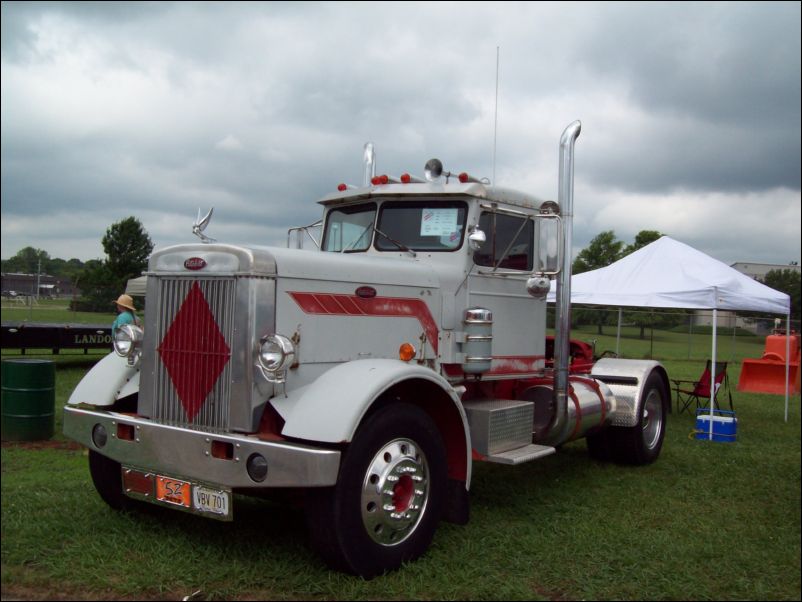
x: 198, y: 498
x: 173, y: 491
x: 215, y: 501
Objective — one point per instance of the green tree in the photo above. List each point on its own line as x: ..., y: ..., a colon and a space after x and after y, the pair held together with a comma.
x: 26, y: 261
x: 98, y: 290
x: 642, y: 238
x: 127, y: 247
x: 603, y: 250
x: 787, y: 281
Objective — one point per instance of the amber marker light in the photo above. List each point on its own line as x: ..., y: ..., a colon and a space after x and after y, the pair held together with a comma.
x: 406, y: 352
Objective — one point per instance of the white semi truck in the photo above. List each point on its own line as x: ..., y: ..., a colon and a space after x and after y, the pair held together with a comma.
x: 370, y: 373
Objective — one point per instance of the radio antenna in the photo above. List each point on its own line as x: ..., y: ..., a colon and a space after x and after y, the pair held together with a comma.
x: 495, y: 126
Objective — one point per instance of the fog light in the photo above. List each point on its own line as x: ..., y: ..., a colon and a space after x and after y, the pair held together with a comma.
x: 257, y: 467
x: 99, y: 435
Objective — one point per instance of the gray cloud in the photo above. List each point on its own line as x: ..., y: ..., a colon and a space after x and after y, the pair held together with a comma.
x: 156, y: 109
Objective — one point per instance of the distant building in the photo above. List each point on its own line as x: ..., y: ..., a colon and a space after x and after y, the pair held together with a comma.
x: 758, y: 271
x: 25, y: 284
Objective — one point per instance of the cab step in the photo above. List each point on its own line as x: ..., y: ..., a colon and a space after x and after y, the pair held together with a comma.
x: 523, y: 454
x: 501, y: 431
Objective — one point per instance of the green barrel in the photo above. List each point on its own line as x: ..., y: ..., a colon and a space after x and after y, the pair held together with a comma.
x: 29, y: 399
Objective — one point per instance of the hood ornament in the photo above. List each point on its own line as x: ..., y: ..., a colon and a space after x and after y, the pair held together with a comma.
x: 200, y: 225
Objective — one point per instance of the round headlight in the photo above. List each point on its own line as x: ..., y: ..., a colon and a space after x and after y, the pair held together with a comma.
x: 276, y: 352
x: 127, y: 340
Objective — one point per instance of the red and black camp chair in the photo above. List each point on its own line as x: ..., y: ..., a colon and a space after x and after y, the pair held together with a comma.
x: 698, y: 391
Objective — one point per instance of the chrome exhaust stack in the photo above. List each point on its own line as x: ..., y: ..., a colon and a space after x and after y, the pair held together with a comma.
x: 562, y: 346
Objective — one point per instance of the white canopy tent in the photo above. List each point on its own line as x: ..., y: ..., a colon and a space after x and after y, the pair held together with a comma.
x: 670, y: 274
x: 136, y: 286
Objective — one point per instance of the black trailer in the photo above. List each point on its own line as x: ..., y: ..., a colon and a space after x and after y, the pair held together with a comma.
x: 23, y: 336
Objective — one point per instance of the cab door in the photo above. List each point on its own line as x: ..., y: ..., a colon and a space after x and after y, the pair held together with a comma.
x: 497, y: 282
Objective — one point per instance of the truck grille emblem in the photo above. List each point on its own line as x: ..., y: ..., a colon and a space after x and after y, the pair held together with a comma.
x: 195, y: 263
x: 194, y: 351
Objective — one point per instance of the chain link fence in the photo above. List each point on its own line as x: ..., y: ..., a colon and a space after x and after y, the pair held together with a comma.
x: 673, y: 334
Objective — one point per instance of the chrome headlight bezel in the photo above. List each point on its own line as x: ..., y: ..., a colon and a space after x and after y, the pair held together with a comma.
x: 128, y: 342
x: 275, y: 354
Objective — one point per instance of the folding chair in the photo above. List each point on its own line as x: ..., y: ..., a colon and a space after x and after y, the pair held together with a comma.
x: 698, y: 391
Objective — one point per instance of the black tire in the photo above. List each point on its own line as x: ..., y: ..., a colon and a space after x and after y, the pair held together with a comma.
x: 641, y: 444
x: 389, y: 497
x: 107, y: 478
x: 599, y: 445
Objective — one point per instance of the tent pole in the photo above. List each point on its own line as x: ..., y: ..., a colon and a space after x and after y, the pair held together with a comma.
x: 713, y: 374
x: 618, y: 335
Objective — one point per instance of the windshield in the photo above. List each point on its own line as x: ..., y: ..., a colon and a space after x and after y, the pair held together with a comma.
x: 402, y: 225
x: 421, y: 225
x: 349, y: 228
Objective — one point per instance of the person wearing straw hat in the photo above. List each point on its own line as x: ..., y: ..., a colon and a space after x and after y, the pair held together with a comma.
x: 125, y: 311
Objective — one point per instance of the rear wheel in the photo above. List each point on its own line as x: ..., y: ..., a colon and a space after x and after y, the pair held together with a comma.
x: 389, y: 497
x: 641, y: 444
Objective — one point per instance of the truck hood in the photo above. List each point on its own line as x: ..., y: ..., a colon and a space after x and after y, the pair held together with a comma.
x: 216, y: 258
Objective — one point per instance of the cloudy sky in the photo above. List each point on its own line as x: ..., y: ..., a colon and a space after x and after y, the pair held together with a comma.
x: 690, y: 113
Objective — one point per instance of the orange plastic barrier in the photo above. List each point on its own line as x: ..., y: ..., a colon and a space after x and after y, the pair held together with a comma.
x: 767, y: 375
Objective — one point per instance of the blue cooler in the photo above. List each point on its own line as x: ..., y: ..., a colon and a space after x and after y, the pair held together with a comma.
x: 725, y: 425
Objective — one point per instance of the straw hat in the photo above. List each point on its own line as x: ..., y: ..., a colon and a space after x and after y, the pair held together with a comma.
x: 125, y: 301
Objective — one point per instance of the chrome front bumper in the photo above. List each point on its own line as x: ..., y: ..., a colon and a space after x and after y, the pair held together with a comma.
x: 182, y: 452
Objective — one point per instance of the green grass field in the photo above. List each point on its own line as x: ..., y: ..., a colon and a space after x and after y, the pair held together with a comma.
x: 52, y: 310
x: 707, y: 521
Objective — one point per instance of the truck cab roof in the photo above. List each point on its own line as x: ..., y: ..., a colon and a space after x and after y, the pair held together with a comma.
x: 415, y: 191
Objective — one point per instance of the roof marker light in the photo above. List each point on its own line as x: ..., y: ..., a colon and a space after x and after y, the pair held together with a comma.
x: 465, y: 178
x: 406, y: 179
x: 384, y: 179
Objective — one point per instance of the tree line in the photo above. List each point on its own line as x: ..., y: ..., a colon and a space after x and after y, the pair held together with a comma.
x: 127, y: 246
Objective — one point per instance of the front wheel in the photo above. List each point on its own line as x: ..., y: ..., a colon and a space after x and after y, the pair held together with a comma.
x: 389, y: 497
x: 107, y: 478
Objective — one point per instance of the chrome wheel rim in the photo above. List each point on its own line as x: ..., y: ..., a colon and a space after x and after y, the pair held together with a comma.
x: 395, y: 492
x: 652, y: 419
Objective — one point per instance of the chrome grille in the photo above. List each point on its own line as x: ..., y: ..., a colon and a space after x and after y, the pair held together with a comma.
x: 219, y: 294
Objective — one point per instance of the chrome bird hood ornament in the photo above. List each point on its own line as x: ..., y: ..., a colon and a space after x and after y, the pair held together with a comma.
x: 200, y: 225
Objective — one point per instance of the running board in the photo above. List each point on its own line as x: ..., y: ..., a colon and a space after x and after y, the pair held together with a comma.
x: 522, y: 454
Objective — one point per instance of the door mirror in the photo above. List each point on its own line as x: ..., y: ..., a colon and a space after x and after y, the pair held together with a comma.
x: 476, y: 239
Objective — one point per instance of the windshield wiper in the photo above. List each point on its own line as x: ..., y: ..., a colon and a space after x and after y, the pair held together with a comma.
x: 401, y: 246
x: 371, y: 227
x: 356, y: 241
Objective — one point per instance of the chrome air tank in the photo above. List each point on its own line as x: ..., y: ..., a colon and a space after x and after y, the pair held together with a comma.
x: 590, y: 404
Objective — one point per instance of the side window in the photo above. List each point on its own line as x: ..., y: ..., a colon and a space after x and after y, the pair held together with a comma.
x: 510, y: 242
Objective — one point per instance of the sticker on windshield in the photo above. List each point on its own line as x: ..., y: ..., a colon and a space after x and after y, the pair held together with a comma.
x: 438, y: 222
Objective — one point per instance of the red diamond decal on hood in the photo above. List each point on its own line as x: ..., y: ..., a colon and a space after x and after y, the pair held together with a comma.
x: 194, y: 351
